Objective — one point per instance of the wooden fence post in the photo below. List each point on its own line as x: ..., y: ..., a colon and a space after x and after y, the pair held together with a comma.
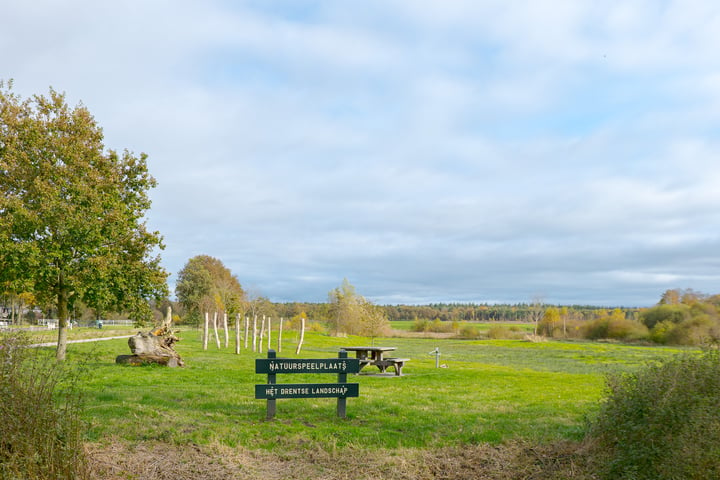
x: 205, y: 331
x: 215, y: 329
x: 262, y: 335
x: 247, y: 330
x: 255, y: 333
x: 225, y: 327
x: 302, y: 336
x: 280, y: 327
x: 237, y: 334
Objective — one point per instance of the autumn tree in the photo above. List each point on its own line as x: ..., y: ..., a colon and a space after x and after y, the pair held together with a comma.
x: 205, y: 283
x: 345, y: 308
x: 550, y: 320
x: 72, y: 223
x: 374, y: 321
x: 353, y: 314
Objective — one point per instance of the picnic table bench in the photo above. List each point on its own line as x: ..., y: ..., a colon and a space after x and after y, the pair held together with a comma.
x: 375, y: 356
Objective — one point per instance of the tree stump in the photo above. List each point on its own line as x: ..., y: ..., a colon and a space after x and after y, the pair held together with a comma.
x: 155, y: 346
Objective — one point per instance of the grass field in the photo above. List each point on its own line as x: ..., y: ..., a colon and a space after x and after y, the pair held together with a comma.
x: 491, y: 391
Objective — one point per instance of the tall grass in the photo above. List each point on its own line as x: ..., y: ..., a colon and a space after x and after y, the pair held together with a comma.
x: 40, y: 426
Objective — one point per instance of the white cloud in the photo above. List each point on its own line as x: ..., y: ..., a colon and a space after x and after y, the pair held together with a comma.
x: 455, y: 150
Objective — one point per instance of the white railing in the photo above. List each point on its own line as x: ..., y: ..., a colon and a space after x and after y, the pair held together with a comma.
x: 52, y: 324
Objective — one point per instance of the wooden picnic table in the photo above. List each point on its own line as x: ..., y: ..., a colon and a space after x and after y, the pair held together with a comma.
x: 376, y: 356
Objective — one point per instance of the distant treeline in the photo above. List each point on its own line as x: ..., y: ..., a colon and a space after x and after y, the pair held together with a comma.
x: 459, y: 312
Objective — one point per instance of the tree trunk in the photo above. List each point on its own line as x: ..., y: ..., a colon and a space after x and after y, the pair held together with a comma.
x: 302, y: 336
x: 280, y: 327
x: 145, y: 359
x: 155, y: 346
x: 62, y: 304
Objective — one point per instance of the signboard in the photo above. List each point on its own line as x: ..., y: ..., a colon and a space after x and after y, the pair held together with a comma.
x: 307, y: 390
x: 341, y: 390
x: 321, y: 365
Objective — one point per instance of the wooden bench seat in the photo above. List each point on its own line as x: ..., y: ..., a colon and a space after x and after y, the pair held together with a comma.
x: 396, y: 363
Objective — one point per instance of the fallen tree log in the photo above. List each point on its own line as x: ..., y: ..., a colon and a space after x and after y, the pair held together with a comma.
x: 147, y: 359
x: 155, y: 346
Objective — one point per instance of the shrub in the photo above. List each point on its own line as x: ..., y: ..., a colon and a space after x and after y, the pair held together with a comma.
x: 662, y: 422
x: 421, y: 325
x: 469, y: 331
x: 436, y: 326
x: 660, y: 331
x: 502, y: 332
x: 665, y: 313
x: 615, y: 328
x: 700, y: 330
x: 40, y: 428
x: 316, y: 327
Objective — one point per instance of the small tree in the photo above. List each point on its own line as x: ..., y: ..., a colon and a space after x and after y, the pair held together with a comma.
x: 536, y: 311
x: 374, y: 321
x: 346, y: 309
x: 72, y: 213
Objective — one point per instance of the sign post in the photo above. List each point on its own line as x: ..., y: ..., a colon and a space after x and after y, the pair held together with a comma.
x: 271, y: 407
x: 340, y: 390
x: 342, y: 378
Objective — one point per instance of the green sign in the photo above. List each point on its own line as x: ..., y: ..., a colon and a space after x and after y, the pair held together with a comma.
x: 322, y: 365
x: 341, y: 390
x: 307, y: 390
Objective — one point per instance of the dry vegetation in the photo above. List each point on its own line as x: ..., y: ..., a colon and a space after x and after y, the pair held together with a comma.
x: 510, y: 461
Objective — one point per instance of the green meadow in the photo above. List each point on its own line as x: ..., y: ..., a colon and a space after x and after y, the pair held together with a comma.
x: 488, y: 391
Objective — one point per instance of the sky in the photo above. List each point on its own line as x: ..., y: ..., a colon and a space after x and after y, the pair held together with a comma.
x: 426, y: 151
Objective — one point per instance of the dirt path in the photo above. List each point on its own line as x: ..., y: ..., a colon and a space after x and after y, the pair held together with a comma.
x: 82, y: 340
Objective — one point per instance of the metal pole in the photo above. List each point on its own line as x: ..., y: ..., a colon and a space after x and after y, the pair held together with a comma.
x: 436, y: 352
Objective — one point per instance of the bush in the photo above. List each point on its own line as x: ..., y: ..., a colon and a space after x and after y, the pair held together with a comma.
x: 436, y: 326
x: 700, y: 330
x: 615, y: 328
x: 421, y: 325
x: 469, y: 331
x: 501, y: 332
x: 665, y: 313
x: 40, y: 428
x: 661, y: 330
x: 662, y: 422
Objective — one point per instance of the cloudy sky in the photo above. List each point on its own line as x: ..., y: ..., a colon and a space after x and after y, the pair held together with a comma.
x: 426, y: 150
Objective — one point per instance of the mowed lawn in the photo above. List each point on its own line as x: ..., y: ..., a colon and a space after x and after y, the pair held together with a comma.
x: 490, y: 391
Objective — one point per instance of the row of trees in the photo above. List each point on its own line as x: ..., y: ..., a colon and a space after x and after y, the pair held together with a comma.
x: 471, y: 312
x: 681, y: 317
